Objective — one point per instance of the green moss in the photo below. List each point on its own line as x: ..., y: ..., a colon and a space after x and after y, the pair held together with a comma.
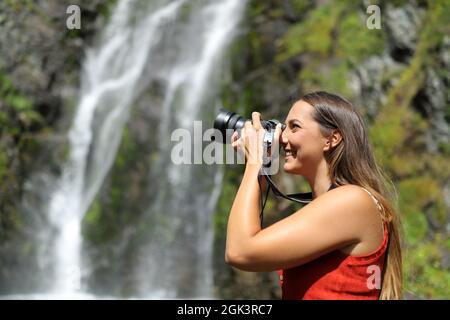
x: 396, y: 122
x: 126, y: 151
x: 323, y: 47
x: 413, y: 197
x: 405, y: 165
x: 92, y: 217
x: 420, y: 196
x: 329, y: 77
x: 20, y: 106
x: 416, y: 227
x: 300, y: 6
x: 105, y: 217
x: 275, y: 13
x: 18, y: 5
x: 355, y: 41
x: 424, y: 275
x: 438, y: 164
x: 335, y: 38
x: 3, y: 118
x: 314, y: 35
x: 185, y: 12
x: 386, y: 134
x: 105, y: 8
x: 415, y: 193
x: 3, y: 164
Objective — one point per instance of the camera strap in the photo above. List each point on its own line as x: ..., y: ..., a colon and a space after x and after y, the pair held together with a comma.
x: 303, y: 198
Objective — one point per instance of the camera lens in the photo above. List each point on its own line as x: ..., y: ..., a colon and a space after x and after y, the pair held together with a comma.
x: 228, y: 120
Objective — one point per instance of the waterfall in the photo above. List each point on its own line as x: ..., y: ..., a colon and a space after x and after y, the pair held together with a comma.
x: 179, y: 43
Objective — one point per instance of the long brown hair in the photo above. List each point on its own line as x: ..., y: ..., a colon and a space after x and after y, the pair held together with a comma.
x: 352, y: 162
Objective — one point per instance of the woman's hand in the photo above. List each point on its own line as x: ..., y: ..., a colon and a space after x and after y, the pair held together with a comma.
x: 250, y: 142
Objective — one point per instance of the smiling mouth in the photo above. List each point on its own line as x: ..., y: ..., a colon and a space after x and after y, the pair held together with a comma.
x: 288, y: 153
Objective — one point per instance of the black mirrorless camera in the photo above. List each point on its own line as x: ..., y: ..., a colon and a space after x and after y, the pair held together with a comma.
x: 227, y: 122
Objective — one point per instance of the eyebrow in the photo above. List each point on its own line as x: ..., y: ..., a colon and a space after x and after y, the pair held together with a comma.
x: 291, y: 122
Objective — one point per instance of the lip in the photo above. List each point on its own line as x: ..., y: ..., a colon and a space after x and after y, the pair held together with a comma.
x: 290, y: 155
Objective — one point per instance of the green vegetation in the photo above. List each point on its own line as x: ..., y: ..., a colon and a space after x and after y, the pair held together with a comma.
x: 398, y: 134
x: 314, y: 35
x: 18, y: 5
x: 18, y: 119
x: 332, y: 39
x: 16, y: 108
x: 323, y: 47
x: 285, y: 51
x: 113, y: 213
x: 355, y: 41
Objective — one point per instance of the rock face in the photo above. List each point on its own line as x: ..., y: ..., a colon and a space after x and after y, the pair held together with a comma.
x: 401, y: 69
x: 39, y: 76
x: 40, y: 55
x: 402, y: 26
x: 432, y: 102
x: 369, y: 80
x: 285, y: 49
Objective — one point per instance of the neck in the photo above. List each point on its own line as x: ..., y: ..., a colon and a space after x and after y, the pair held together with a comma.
x: 319, y: 181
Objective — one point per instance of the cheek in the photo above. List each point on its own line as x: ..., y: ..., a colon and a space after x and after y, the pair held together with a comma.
x: 309, y: 145
x: 298, y: 139
x: 303, y: 141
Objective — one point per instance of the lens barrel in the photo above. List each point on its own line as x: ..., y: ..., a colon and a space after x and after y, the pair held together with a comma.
x: 228, y: 120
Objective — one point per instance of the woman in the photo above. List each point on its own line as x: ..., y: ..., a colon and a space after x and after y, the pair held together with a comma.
x: 345, y: 243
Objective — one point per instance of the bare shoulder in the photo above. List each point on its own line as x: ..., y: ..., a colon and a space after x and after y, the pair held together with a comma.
x: 347, y: 197
x: 351, y: 196
x: 352, y: 204
x: 341, y: 219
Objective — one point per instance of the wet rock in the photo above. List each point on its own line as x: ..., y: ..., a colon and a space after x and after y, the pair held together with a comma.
x: 402, y: 26
x: 370, y: 80
x: 40, y: 59
x: 431, y: 102
x: 445, y: 262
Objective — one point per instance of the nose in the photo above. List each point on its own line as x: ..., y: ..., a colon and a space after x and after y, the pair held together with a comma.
x: 284, y: 139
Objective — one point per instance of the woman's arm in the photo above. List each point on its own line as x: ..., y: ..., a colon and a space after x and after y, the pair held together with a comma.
x: 336, y: 219
x: 244, y: 221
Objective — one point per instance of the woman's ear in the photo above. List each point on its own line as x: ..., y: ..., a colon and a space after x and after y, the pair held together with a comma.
x: 333, y: 140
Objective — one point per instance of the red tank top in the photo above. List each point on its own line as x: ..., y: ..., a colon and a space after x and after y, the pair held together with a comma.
x: 336, y: 276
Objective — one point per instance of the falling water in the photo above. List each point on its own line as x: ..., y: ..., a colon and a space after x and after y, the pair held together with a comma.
x: 144, y: 41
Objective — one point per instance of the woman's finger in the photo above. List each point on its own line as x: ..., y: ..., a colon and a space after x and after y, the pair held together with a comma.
x: 256, y: 119
x: 277, y: 136
x: 277, y: 131
x: 234, y: 136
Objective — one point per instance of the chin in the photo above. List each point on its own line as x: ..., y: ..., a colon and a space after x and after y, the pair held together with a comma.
x: 289, y: 168
x: 294, y: 166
